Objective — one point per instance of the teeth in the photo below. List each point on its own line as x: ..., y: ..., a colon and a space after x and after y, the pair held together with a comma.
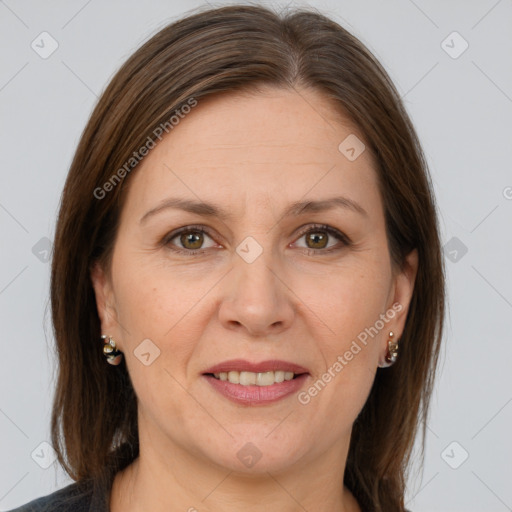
x: 247, y: 378
x: 233, y: 377
x: 265, y: 379
x: 251, y: 378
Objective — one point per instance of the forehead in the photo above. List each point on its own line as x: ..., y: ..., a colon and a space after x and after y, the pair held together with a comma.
x: 290, y: 123
x: 271, y: 144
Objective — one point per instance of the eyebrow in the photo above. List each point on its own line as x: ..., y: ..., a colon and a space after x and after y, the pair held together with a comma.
x: 294, y: 209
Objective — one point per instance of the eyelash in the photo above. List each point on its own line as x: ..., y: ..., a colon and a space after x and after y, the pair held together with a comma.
x: 314, y: 228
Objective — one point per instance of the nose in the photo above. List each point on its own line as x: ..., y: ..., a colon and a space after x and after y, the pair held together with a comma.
x: 256, y: 298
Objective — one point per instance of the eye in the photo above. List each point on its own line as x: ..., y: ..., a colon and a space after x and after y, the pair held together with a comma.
x: 191, y: 239
x: 318, y: 236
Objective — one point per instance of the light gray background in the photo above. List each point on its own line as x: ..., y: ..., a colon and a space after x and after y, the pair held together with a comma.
x: 462, y: 109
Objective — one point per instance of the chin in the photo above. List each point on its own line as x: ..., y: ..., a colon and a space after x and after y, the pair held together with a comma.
x: 259, y: 453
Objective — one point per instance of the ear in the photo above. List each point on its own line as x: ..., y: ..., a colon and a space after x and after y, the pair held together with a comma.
x: 403, y: 290
x: 105, y: 301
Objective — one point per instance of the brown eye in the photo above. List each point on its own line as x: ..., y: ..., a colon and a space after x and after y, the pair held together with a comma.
x: 189, y: 240
x: 318, y: 237
x: 192, y: 240
x: 316, y: 240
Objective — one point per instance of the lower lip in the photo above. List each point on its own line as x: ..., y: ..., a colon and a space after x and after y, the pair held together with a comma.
x: 257, y: 395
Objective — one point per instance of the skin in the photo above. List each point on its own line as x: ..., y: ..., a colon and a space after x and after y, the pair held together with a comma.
x: 253, y: 155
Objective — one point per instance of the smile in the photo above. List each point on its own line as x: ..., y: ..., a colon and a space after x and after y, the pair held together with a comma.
x: 252, y: 378
x: 256, y: 383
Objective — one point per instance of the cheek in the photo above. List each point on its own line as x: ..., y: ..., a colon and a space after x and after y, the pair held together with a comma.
x: 350, y: 306
x: 151, y: 297
x: 164, y: 306
x: 155, y: 304
x: 348, y: 302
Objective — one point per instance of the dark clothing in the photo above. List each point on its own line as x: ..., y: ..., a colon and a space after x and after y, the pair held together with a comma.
x: 76, y: 497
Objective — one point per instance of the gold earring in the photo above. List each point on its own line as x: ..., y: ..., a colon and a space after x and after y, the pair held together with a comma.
x: 392, y: 353
x: 112, y: 355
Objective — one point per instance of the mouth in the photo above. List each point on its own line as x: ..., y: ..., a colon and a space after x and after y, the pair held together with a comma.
x: 255, y: 379
x: 249, y: 383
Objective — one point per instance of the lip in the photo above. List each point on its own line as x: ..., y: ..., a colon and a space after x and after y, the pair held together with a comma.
x: 242, y: 365
x: 257, y: 395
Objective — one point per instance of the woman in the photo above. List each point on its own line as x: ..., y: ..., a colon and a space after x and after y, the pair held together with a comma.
x: 248, y: 236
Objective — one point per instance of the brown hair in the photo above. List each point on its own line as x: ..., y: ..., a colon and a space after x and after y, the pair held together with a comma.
x: 236, y: 48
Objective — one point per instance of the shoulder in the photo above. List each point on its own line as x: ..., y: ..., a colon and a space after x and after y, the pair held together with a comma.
x: 75, y: 497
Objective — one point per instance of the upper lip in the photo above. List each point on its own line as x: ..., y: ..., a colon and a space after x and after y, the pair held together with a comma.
x: 242, y: 365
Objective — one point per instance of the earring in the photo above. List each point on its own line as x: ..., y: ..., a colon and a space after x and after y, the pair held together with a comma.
x: 392, y: 353
x: 112, y: 355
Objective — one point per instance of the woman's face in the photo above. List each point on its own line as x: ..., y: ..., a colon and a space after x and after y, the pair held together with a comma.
x: 268, y: 285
